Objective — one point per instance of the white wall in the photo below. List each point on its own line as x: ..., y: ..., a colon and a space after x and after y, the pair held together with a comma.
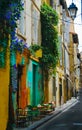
x: 28, y: 21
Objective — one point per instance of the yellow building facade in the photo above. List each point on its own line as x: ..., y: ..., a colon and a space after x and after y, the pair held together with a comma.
x: 55, y: 88
x: 74, y: 61
x: 4, y: 93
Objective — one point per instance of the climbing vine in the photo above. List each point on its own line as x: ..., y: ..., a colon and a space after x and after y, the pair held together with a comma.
x: 50, y: 43
x: 10, y: 12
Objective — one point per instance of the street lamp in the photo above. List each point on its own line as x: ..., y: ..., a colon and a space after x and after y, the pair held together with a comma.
x: 72, y: 10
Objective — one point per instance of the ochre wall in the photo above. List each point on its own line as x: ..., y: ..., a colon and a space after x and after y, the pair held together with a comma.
x: 46, y: 1
x: 4, y: 94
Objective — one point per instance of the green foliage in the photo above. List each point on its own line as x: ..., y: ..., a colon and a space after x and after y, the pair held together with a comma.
x: 9, y: 14
x: 50, y: 42
x: 33, y: 48
x: 10, y: 11
x: 3, y: 50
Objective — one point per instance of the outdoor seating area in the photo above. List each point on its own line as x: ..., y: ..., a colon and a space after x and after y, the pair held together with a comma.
x: 21, y: 117
x: 25, y: 117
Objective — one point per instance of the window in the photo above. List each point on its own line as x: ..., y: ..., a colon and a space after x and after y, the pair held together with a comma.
x: 21, y: 26
x: 75, y: 38
x: 53, y: 4
x: 61, y: 50
x: 35, y: 25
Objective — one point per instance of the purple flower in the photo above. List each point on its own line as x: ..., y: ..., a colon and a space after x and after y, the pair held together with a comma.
x: 26, y: 45
x: 12, y: 5
x: 8, y: 15
x: 15, y: 66
x: 12, y: 22
x: 13, y: 34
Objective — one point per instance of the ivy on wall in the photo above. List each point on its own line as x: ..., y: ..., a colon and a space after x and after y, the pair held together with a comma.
x: 50, y: 43
x: 50, y: 39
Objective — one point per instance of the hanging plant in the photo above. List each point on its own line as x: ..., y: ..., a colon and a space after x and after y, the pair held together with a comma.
x: 50, y: 43
x: 33, y: 48
x: 9, y: 14
x: 18, y: 45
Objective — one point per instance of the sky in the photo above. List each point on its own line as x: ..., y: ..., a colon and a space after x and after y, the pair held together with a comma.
x: 77, y: 21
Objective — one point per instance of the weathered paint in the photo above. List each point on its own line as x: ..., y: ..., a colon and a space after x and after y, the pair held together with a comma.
x: 35, y: 83
x: 4, y: 93
x: 20, y: 92
x: 23, y: 90
x: 22, y: 60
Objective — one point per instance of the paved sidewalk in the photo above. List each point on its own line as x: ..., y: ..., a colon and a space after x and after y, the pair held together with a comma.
x: 58, y: 110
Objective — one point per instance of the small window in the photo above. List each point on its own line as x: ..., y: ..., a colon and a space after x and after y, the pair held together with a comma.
x: 75, y: 38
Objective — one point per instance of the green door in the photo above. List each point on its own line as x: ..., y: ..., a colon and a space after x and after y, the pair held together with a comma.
x: 34, y: 83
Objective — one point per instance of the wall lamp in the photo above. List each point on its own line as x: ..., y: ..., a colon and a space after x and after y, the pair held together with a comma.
x: 72, y: 10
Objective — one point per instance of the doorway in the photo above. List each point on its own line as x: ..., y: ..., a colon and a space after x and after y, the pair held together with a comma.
x: 34, y: 84
x: 60, y: 91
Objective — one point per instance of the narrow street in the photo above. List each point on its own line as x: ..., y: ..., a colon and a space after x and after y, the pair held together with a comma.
x: 70, y: 119
x: 40, y: 64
